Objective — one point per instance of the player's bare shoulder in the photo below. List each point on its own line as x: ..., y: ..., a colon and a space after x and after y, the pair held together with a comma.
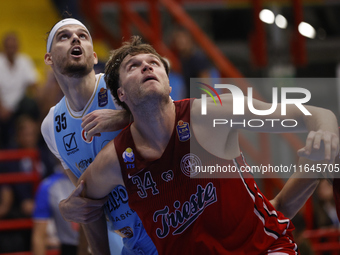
x: 214, y: 107
x: 205, y: 112
x: 211, y: 137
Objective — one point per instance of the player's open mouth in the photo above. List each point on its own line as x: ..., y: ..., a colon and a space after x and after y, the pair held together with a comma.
x: 76, y: 51
x: 150, y: 77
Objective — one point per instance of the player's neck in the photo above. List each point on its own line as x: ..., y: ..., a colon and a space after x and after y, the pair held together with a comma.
x: 154, y: 130
x: 77, y: 90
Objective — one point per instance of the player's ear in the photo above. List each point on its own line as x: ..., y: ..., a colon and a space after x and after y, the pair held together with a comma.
x: 121, y: 94
x: 48, y: 59
x: 170, y: 88
x: 95, y: 58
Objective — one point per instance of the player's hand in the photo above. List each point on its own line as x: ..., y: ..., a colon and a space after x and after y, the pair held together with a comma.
x: 320, y: 145
x: 81, y: 210
x: 104, y: 120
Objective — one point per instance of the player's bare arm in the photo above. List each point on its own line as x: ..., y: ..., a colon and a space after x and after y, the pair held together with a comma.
x: 297, y: 189
x: 103, y: 174
x: 79, y: 209
x: 89, y: 213
x: 322, y: 141
x: 105, y: 120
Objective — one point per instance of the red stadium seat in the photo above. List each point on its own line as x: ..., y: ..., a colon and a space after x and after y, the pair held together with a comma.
x: 324, y: 240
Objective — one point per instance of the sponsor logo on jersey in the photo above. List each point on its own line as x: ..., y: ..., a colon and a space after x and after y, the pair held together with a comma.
x: 125, y: 232
x: 182, y: 216
x: 183, y: 131
x: 117, y: 208
x: 188, y: 164
x: 83, y: 164
x: 70, y: 143
x: 117, y: 197
x: 102, y: 97
x: 129, y: 157
x: 168, y: 176
x: 84, y: 136
x: 130, y: 176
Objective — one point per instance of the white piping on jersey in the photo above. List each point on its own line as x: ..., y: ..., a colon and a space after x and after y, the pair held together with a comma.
x: 257, y: 213
x: 277, y: 249
x: 278, y: 253
x: 270, y: 234
x: 295, y: 245
x: 286, y: 221
x: 271, y: 213
x: 274, y: 252
x: 239, y: 172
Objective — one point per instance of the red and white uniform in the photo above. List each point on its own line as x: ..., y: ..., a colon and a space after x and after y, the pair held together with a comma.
x: 184, y: 215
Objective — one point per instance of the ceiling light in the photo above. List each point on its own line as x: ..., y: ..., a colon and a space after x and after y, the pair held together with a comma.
x: 267, y: 16
x: 307, y: 30
x: 281, y: 21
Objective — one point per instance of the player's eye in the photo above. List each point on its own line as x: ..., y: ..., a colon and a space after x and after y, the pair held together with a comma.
x: 155, y: 62
x: 63, y: 37
x: 132, y: 66
x: 82, y: 36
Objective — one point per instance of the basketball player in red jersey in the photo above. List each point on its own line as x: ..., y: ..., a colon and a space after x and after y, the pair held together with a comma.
x: 152, y: 157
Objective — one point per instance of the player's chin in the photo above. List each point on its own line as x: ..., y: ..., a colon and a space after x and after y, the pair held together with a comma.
x: 77, y: 70
x: 157, y: 95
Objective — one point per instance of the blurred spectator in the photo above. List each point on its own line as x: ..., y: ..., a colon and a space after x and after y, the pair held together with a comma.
x: 6, y: 204
x: 50, y: 192
x: 324, y: 206
x: 27, y: 136
x: 49, y: 95
x: 6, y: 200
x: 194, y: 63
x: 12, y: 241
x: 17, y: 74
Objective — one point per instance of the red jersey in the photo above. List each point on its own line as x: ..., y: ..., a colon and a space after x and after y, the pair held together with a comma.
x: 184, y: 215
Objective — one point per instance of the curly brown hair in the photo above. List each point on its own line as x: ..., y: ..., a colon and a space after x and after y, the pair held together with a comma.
x: 132, y: 47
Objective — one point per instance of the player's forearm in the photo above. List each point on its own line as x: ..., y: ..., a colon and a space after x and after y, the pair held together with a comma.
x: 125, y: 118
x: 97, y: 183
x: 83, y: 247
x: 290, y: 202
x: 105, y: 120
x: 296, y: 191
x: 96, y: 235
